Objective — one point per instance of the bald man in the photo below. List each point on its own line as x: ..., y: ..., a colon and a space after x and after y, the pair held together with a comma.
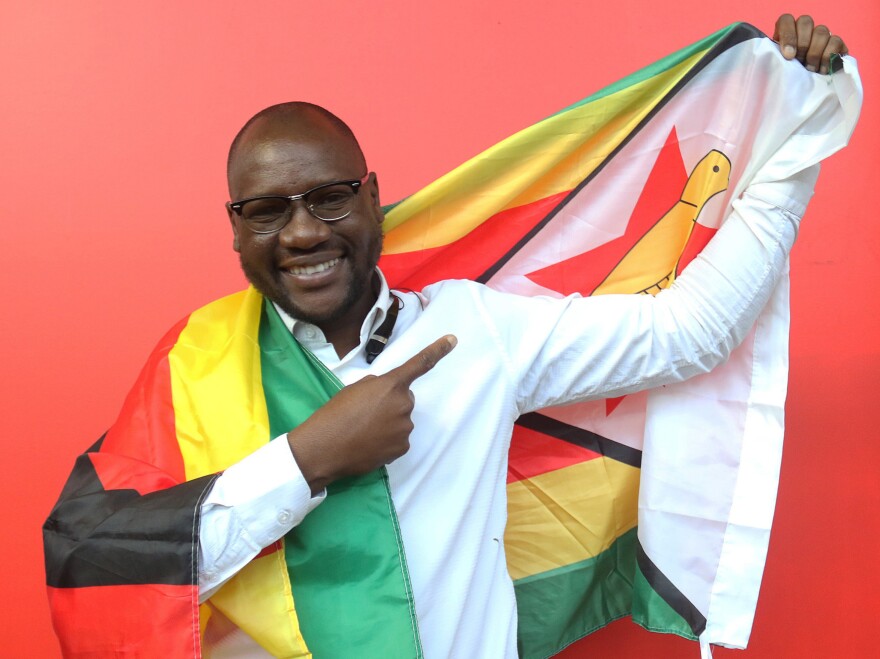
x: 424, y: 389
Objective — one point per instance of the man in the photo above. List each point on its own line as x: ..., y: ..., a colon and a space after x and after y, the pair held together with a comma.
x: 435, y: 407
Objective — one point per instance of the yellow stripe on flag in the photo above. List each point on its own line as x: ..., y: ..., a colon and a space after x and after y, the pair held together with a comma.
x: 216, y: 385
x: 561, y: 517
x: 552, y: 156
x: 221, y: 417
x: 262, y: 605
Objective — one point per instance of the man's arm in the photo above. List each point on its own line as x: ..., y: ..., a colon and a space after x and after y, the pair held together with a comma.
x: 694, y: 326
x: 577, y: 349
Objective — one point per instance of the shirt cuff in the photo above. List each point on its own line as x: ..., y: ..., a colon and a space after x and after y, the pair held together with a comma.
x: 251, y: 505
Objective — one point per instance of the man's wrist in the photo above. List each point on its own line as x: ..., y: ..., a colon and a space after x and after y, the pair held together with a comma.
x: 309, y: 461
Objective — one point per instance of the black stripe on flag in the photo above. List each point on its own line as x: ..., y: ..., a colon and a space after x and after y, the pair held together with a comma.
x: 580, y: 437
x: 98, y: 537
x: 670, y: 594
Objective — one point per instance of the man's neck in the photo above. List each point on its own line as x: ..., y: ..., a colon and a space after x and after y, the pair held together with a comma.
x: 344, y: 333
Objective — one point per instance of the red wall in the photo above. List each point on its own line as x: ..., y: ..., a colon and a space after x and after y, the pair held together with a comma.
x: 116, y: 121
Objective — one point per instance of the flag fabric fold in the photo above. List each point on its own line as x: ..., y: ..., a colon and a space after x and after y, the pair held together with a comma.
x: 656, y: 505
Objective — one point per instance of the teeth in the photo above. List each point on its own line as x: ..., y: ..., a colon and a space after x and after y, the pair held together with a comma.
x: 313, y: 269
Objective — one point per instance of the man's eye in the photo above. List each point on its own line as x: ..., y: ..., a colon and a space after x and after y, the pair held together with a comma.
x: 262, y: 210
x: 333, y: 199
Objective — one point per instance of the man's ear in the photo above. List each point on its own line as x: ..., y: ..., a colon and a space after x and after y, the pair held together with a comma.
x: 373, y: 186
x: 233, y: 220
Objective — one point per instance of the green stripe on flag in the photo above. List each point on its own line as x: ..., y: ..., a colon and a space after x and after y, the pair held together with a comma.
x: 346, y: 563
x: 658, y: 67
x: 653, y: 612
x: 557, y: 607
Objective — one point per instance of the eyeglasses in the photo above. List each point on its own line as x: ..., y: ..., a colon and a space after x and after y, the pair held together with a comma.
x: 270, y: 213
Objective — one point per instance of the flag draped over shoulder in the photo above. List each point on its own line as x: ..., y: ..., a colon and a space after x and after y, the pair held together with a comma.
x: 121, y: 544
x: 656, y: 505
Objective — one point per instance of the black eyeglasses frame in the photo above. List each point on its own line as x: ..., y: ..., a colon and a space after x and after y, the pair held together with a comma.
x: 354, y: 184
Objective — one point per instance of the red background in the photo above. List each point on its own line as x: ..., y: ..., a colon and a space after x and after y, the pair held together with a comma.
x: 116, y: 120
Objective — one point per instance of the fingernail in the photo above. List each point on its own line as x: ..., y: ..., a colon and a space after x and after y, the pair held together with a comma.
x: 453, y: 341
x: 811, y: 68
x: 823, y: 70
x: 789, y: 51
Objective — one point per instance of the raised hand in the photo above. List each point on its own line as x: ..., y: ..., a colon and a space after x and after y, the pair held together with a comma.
x: 364, y: 426
x: 812, y: 45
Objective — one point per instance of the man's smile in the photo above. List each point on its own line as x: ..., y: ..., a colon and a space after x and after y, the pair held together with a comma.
x: 299, y: 270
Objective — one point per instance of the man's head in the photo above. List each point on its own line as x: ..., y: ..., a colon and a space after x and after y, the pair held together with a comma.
x: 321, y: 272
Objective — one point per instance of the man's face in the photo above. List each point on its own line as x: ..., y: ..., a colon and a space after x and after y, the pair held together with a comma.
x: 317, y: 271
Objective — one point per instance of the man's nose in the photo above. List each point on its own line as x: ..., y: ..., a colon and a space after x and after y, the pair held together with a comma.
x: 304, y: 230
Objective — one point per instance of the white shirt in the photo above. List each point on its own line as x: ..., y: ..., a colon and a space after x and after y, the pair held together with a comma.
x: 514, y: 355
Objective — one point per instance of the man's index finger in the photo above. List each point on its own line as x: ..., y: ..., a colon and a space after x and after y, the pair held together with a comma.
x: 426, y: 359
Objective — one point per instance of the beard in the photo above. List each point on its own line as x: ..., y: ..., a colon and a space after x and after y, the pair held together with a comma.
x: 356, y: 287
x: 359, y: 282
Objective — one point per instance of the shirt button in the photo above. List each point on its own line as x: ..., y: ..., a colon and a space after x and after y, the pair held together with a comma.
x: 310, y: 333
x: 284, y: 517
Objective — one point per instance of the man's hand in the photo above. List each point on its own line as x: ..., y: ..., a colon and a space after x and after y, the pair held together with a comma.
x: 812, y: 45
x: 364, y: 426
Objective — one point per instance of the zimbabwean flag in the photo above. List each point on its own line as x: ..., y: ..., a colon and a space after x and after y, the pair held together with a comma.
x: 617, y: 194
x: 656, y: 505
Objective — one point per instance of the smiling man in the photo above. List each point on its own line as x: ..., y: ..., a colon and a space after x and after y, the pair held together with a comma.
x: 330, y: 478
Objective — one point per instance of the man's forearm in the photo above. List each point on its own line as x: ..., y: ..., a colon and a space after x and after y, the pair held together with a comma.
x: 720, y: 295
x: 612, y: 345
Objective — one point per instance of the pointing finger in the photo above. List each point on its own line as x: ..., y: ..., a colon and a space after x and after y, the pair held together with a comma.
x: 422, y: 362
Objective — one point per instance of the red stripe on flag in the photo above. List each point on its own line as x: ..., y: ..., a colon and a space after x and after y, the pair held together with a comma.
x: 147, y: 415
x: 119, y: 473
x: 470, y: 256
x: 533, y: 453
x: 134, y: 621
